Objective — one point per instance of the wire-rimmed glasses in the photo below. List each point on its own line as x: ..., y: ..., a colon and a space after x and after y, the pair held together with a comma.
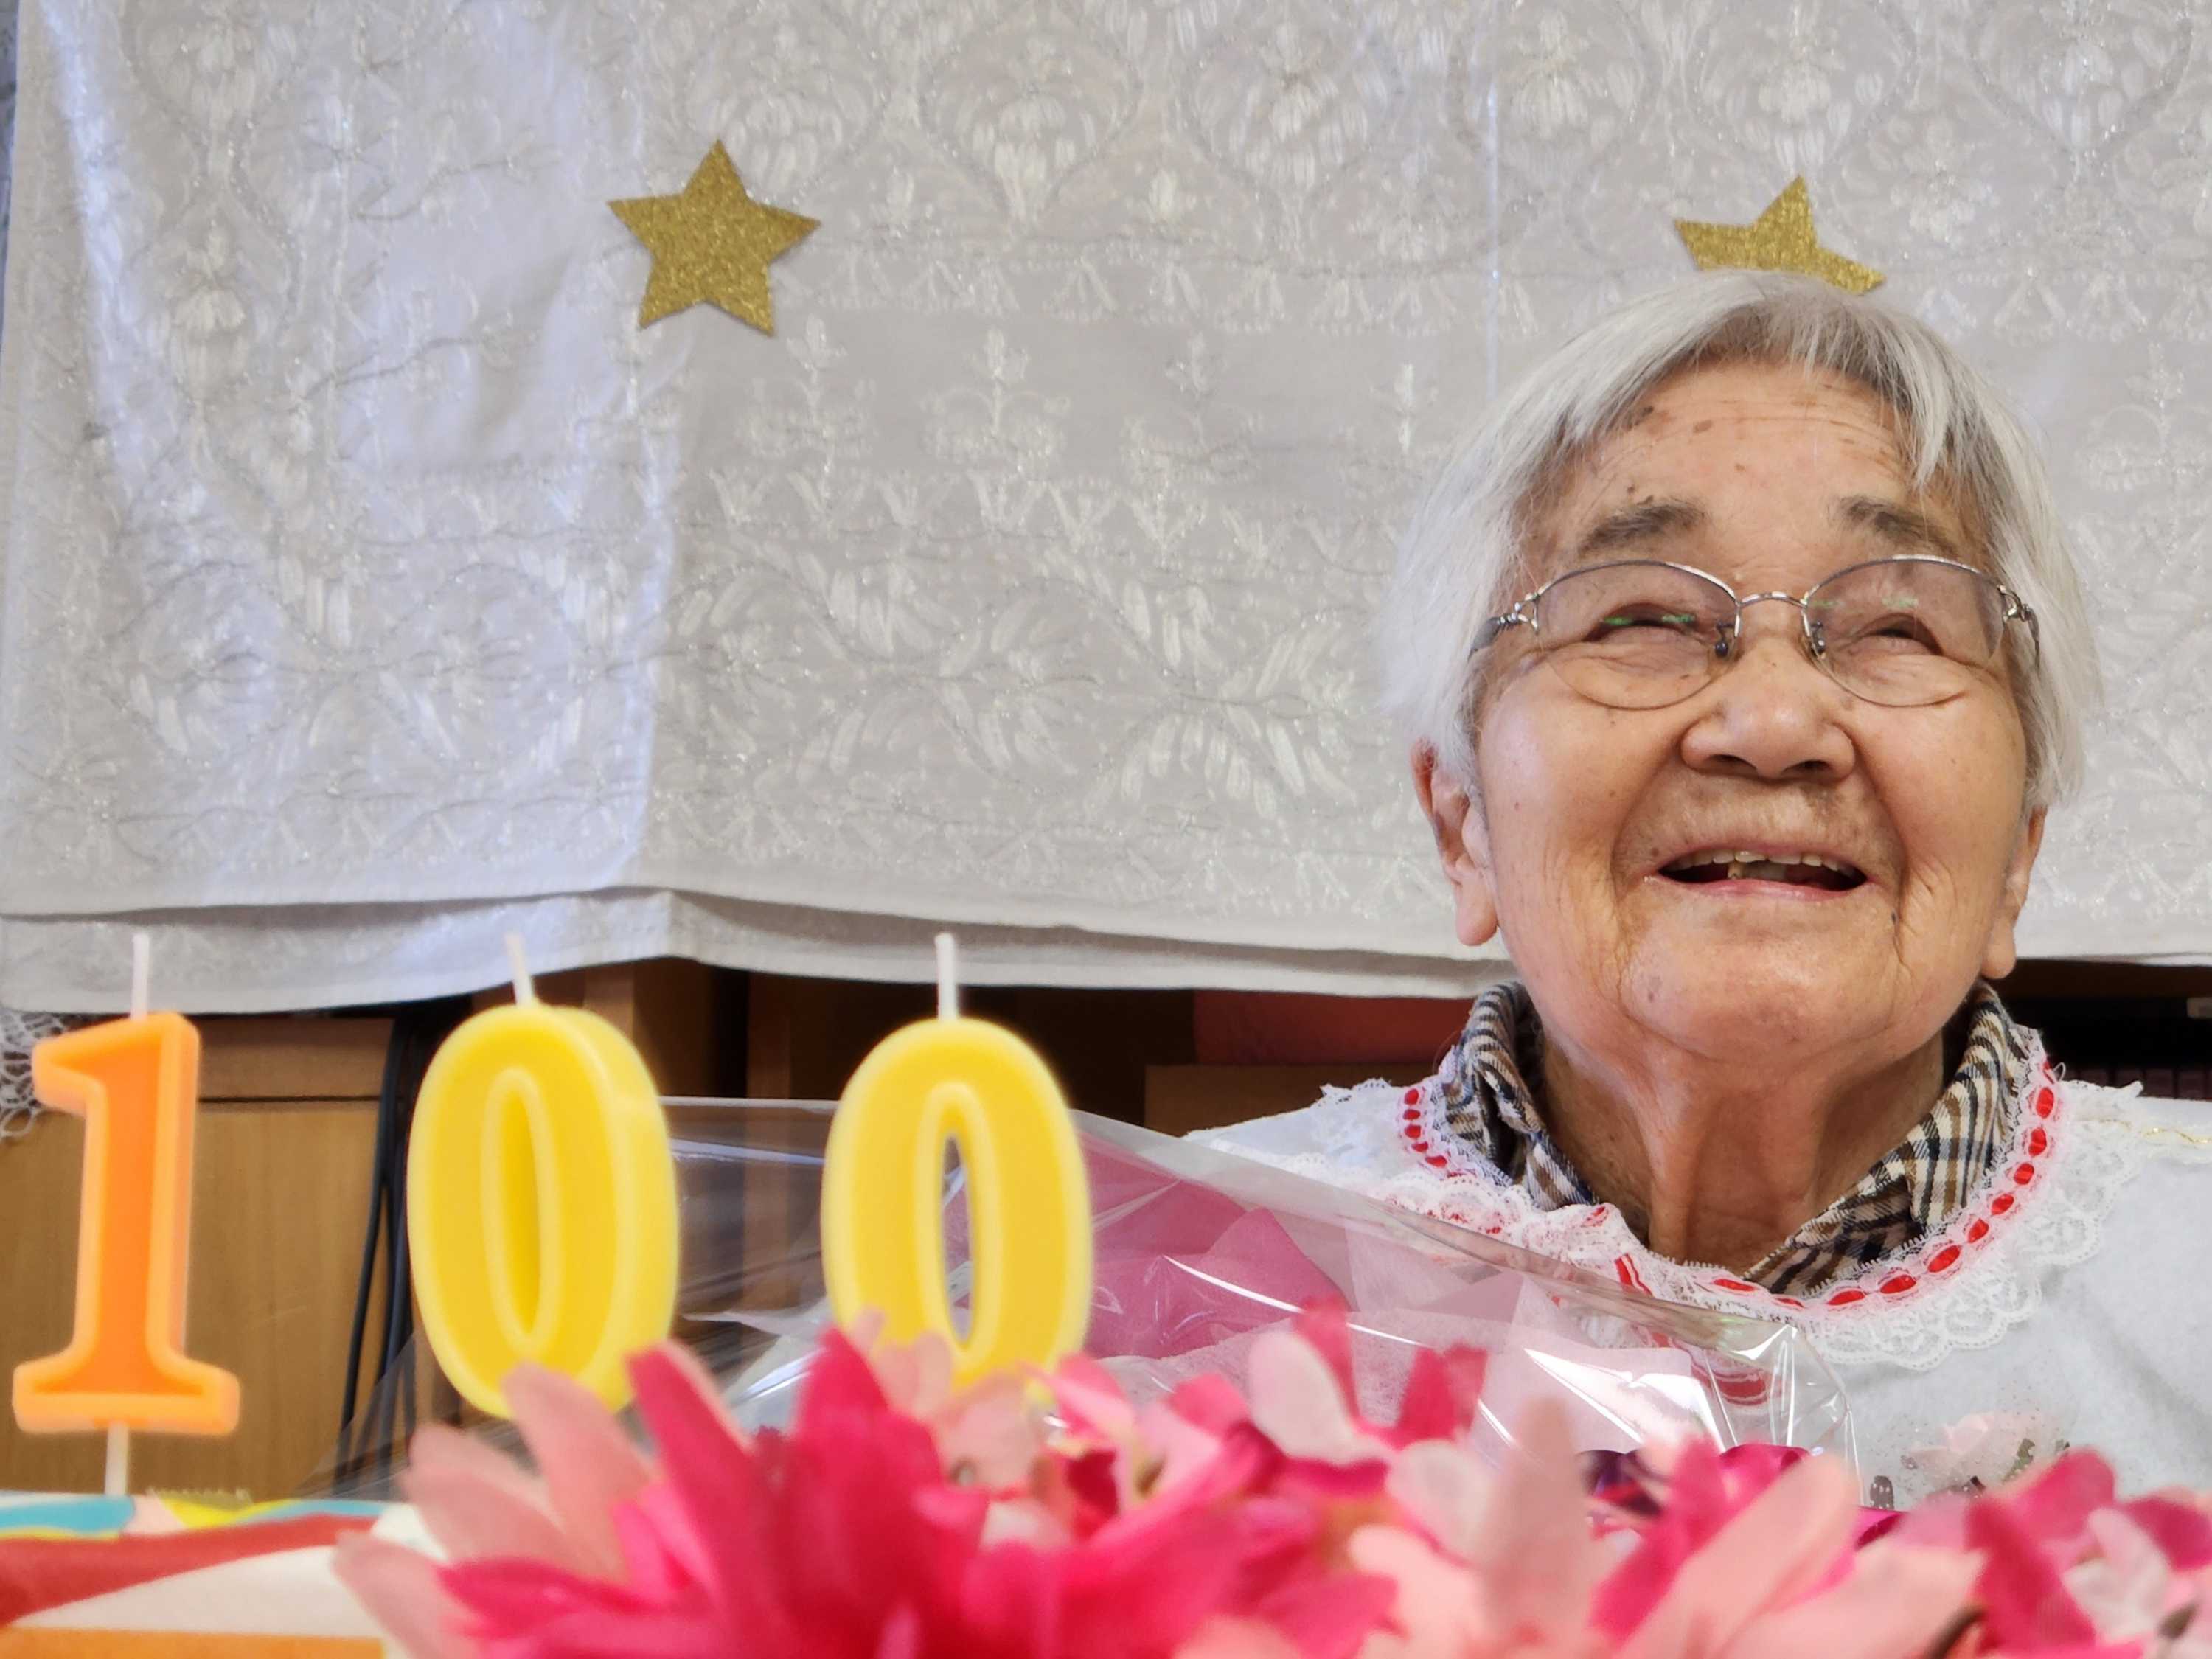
x: 1902, y: 632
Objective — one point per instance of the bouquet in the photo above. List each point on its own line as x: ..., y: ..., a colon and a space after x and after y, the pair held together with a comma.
x: 1049, y: 1518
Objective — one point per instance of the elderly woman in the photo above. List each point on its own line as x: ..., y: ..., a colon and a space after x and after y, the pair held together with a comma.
x: 1741, y: 657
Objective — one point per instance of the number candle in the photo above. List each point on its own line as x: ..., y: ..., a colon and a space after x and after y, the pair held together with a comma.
x: 135, y: 1083
x: 882, y: 1244
x: 541, y: 1200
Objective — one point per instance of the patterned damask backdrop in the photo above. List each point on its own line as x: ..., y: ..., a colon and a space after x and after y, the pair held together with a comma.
x: 371, y: 585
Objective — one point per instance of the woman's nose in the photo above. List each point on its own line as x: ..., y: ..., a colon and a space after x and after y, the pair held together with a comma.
x: 1773, y: 712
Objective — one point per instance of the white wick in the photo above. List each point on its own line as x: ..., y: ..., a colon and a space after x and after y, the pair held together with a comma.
x: 117, y: 1481
x: 525, y: 988
x: 948, y: 981
x: 141, y: 974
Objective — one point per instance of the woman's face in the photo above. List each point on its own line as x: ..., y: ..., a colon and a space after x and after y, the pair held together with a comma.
x: 1575, y: 849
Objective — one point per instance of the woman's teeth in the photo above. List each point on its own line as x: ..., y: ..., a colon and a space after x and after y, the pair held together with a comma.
x: 1724, y: 863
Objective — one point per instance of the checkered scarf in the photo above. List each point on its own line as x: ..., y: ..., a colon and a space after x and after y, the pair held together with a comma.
x: 1489, y: 1103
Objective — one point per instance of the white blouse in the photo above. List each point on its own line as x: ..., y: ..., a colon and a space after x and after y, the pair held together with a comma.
x: 2072, y: 1293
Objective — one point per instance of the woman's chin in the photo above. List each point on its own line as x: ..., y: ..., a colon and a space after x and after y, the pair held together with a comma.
x: 1751, y: 996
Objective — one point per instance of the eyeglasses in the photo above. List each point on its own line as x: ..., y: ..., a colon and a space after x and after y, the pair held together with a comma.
x: 1643, y: 634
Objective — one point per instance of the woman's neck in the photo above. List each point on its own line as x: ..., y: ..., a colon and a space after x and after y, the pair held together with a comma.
x: 1721, y: 1163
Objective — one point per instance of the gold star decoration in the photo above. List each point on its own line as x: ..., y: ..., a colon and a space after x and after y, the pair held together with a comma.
x: 1780, y: 239
x: 711, y: 243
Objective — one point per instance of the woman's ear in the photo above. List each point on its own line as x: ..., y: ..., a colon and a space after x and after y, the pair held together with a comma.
x: 1462, y: 845
x: 2001, y: 953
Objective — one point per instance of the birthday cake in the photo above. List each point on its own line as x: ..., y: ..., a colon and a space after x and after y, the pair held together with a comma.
x: 90, y: 1578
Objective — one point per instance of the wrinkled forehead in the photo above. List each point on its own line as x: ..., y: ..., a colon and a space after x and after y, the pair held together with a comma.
x: 1748, y: 453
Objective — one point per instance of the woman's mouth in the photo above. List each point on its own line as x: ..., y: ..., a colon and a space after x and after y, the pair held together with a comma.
x: 1817, y: 870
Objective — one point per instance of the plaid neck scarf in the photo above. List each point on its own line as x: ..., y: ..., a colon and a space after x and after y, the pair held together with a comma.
x: 1489, y: 1102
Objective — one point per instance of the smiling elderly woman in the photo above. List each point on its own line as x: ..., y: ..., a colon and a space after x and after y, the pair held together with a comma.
x: 1741, y: 656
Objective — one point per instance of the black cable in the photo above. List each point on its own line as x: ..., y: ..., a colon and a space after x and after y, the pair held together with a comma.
x: 367, y: 1278
x: 365, y: 1437
x: 350, y: 1430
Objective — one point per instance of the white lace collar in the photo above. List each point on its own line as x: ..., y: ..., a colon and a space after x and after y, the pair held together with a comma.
x: 2040, y: 1207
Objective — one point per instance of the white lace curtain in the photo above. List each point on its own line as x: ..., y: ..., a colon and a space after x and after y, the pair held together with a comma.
x: 372, y: 584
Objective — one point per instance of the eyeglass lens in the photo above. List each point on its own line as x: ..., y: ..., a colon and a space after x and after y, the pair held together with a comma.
x: 1900, y: 632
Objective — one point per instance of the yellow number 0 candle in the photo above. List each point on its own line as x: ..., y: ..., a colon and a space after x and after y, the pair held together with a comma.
x: 541, y: 1204
x: 882, y: 1246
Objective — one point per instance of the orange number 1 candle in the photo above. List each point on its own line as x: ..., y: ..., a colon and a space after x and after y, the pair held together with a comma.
x: 135, y: 1083
x: 982, y: 1088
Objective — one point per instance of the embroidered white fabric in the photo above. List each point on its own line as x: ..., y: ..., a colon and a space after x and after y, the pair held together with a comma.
x: 18, y: 1033
x: 363, y: 562
x: 2098, y: 1141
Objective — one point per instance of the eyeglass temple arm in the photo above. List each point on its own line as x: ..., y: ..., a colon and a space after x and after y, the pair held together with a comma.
x: 1486, y: 635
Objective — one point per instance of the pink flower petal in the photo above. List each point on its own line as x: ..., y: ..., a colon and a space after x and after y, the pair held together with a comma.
x: 1330, y: 1618
x: 470, y: 1516
x: 1237, y: 1638
x: 1089, y: 1398
x: 1442, y: 1394
x: 989, y: 1434
x: 1535, y: 1542
x: 399, y: 1587
x: 1896, y: 1601
x: 718, y: 1489
x: 1326, y: 1328
x: 1439, y: 1610
x: 1695, y: 1508
x: 1776, y: 1549
x: 2024, y: 1597
x: 588, y: 1466
x: 1210, y: 1402
x: 2055, y: 1503
x: 2183, y: 1531
x: 1300, y: 1402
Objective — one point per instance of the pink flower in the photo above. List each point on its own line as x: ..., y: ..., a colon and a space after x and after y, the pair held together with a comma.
x: 843, y: 1539
x: 1777, y: 1578
x: 1304, y: 1396
x: 2065, y: 1565
x: 900, y: 1519
x: 986, y: 1435
x: 475, y: 1502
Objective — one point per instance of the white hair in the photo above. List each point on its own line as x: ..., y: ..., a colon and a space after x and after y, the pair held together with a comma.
x: 1465, y: 557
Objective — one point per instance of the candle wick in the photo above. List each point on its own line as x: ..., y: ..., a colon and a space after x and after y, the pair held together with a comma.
x: 117, y: 1481
x: 948, y: 982
x: 141, y: 974
x: 525, y: 988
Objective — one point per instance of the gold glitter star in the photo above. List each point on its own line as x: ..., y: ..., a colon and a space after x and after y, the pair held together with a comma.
x: 1780, y: 239
x: 712, y: 242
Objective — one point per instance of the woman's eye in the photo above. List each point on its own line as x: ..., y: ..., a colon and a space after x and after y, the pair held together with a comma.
x: 1897, y: 633
x: 1674, y: 620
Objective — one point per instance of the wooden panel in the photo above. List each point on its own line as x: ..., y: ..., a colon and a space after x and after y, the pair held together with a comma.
x: 770, y: 1029
x: 284, y: 1058
x: 806, y: 1035
x: 281, y: 1196
x: 677, y: 1012
x: 1180, y: 1099
x: 2105, y: 979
